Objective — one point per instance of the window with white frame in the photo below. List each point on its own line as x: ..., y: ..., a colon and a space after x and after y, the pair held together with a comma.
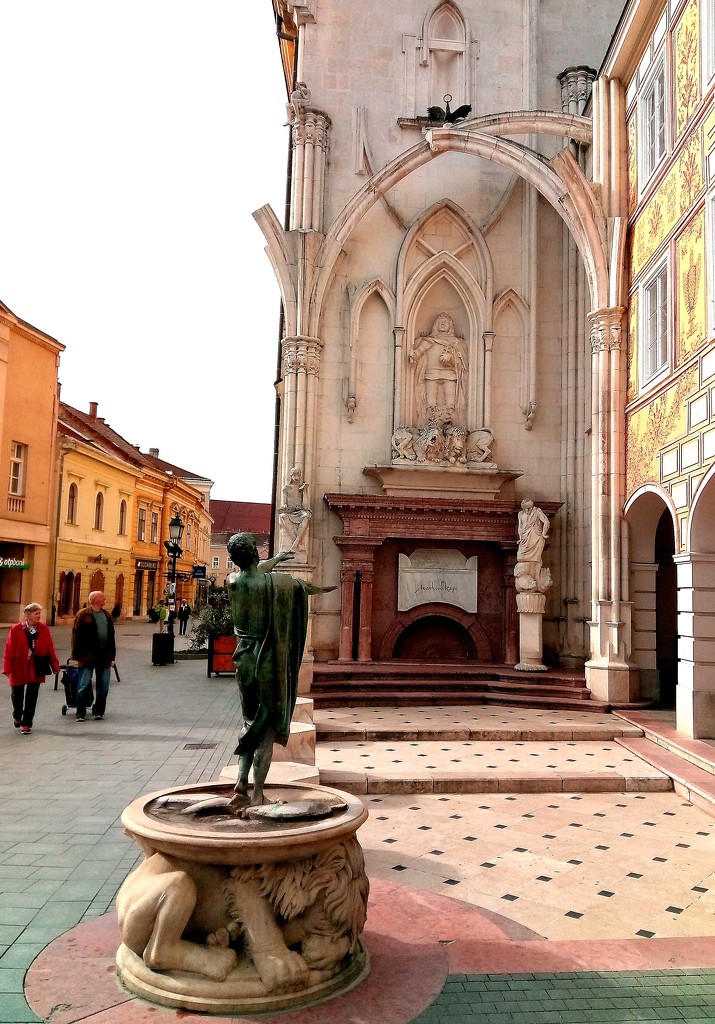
x: 229, y: 564
x: 653, y: 122
x: 18, y: 468
x: 154, y: 535
x: 215, y: 562
x: 141, y: 524
x: 654, y: 338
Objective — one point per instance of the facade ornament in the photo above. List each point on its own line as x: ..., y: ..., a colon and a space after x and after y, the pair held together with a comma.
x: 441, y: 361
x: 294, y: 515
x: 532, y: 579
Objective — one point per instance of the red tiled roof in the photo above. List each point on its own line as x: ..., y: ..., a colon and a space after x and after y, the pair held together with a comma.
x: 240, y: 516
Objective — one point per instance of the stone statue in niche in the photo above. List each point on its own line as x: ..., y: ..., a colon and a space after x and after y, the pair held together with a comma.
x: 533, y: 528
x: 294, y: 515
x: 290, y: 919
x: 441, y: 360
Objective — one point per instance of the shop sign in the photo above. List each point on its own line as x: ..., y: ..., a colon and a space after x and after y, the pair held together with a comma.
x: 199, y: 572
x: 145, y: 563
x: 13, y: 563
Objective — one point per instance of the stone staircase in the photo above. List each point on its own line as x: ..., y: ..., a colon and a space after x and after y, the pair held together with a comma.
x: 689, y: 763
x: 393, y: 683
x: 480, y: 749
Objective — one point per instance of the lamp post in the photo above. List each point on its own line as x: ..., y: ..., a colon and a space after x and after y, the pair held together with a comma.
x: 173, y: 547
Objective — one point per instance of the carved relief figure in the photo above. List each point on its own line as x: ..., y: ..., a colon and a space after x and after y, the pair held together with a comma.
x: 441, y: 362
x: 533, y: 527
x: 294, y: 515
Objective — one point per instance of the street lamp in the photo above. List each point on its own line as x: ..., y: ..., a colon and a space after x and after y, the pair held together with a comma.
x: 174, y: 548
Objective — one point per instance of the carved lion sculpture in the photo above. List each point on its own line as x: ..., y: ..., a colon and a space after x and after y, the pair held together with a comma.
x: 455, y: 445
x: 402, y: 446
x: 319, y: 904
x: 479, y: 445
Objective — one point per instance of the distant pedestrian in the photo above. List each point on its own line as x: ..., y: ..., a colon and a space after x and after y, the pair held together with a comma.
x: 184, y: 613
x: 160, y: 610
x: 29, y: 657
x: 94, y: 649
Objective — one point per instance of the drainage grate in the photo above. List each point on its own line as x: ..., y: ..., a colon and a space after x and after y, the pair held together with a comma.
x: 200, y: 746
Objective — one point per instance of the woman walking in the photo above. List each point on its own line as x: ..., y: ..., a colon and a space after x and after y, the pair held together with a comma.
x: 29, y: 657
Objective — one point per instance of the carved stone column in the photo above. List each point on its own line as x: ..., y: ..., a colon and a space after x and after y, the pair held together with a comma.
x: 511, y: 628
x: 358, y: 555
x: 347, y: 613
x: 311, y: 135
x: 609, y: 672
x: 301, y: 365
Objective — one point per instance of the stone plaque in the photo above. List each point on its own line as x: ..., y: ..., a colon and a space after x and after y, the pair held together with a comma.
x: 431, y: 574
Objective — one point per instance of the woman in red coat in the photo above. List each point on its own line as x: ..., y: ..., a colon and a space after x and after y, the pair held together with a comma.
x: 28, y: 643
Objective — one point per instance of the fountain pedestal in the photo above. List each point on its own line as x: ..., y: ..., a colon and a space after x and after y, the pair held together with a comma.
x: 231, y: 914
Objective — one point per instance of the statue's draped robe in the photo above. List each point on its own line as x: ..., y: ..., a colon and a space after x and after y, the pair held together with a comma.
x: 269, y: 693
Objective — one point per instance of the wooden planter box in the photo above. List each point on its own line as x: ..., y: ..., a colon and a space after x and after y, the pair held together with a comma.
x: 221, y: 650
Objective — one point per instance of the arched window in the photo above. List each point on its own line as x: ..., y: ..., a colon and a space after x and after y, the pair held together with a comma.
x: 99, y: 511
x: 122, y: 517
x: 72, y: 504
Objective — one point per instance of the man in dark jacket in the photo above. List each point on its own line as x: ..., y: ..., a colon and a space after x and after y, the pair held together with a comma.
x: 94, y: 649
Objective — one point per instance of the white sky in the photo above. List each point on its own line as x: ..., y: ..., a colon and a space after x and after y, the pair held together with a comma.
x: 137, y: 140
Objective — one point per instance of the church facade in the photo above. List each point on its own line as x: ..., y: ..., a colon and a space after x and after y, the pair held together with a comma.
x: 457, y: 406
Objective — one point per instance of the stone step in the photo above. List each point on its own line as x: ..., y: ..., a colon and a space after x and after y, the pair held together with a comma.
x: 694, y: 783
x: 656, y: 727
x: 473, y: 766
x: 532, y: 697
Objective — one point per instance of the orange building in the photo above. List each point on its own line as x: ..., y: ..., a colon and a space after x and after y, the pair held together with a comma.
x: 29, y: 360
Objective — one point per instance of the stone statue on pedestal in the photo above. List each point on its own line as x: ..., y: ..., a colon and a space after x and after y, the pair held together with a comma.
x: 270, y: 617
x: 441, y: 361
x: 532, y: 580
x: 294, y: 515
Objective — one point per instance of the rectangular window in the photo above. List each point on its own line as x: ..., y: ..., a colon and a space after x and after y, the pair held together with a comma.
x: 215, y: 562
x: 154, y: 537
x: 141, y: 524
x: 229, y: 564
x: 18, y: 466
x: 653, y: 123
x: 655, y: 324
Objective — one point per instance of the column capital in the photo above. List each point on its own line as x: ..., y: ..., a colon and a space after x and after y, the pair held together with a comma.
x: 301, y: 353
x: 606, y: 327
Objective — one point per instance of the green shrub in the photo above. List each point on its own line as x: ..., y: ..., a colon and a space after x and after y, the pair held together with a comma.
x: 210, y: 621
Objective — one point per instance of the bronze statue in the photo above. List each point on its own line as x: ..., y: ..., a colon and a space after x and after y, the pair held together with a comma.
x: 270, y: 617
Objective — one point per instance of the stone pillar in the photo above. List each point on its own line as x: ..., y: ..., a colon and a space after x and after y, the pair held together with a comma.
x: 301, y: 365
x: 531, y: 607
x: 609, y: 672
x: 310, y: 136
x: 576, y: 84
x: 347, y: 613
x: 643, y: 576
x: 511, y: 626
x: 367, y: 575
x: 695, y: 693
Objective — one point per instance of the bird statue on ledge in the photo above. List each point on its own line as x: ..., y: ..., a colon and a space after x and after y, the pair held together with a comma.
x: 447, y: 116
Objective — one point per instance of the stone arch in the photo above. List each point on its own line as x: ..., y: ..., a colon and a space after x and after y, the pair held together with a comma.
x: 478, y: 638
x: 444, y: 54
x: 506, y: 302
x: 358, y: 303
x: 652, y: 526
x: 701, y: 526
x: 560, y: 181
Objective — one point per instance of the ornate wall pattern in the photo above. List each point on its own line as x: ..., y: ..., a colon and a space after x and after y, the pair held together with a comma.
x: 653, y: 427
x: 632, y: 164
x: 672, y: 199
x: 691, y: 326
x: 632, y: 349
x: 687, y: 66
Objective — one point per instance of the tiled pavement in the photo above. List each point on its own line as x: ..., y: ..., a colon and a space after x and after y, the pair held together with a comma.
x: 627, y: 877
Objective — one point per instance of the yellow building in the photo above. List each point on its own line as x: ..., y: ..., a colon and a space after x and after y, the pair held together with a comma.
x: 663, y: 59
x: 28, y: 419
x: 114, y: 511
x: 94, y: 515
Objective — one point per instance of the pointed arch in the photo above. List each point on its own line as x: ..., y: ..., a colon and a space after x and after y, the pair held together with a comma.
x: 506, y: 301
x: 358, y: 299
x: 444, y: 54
x: 472, y: 235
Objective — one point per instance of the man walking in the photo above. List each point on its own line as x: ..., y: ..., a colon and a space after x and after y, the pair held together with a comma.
x: 94, y: 649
